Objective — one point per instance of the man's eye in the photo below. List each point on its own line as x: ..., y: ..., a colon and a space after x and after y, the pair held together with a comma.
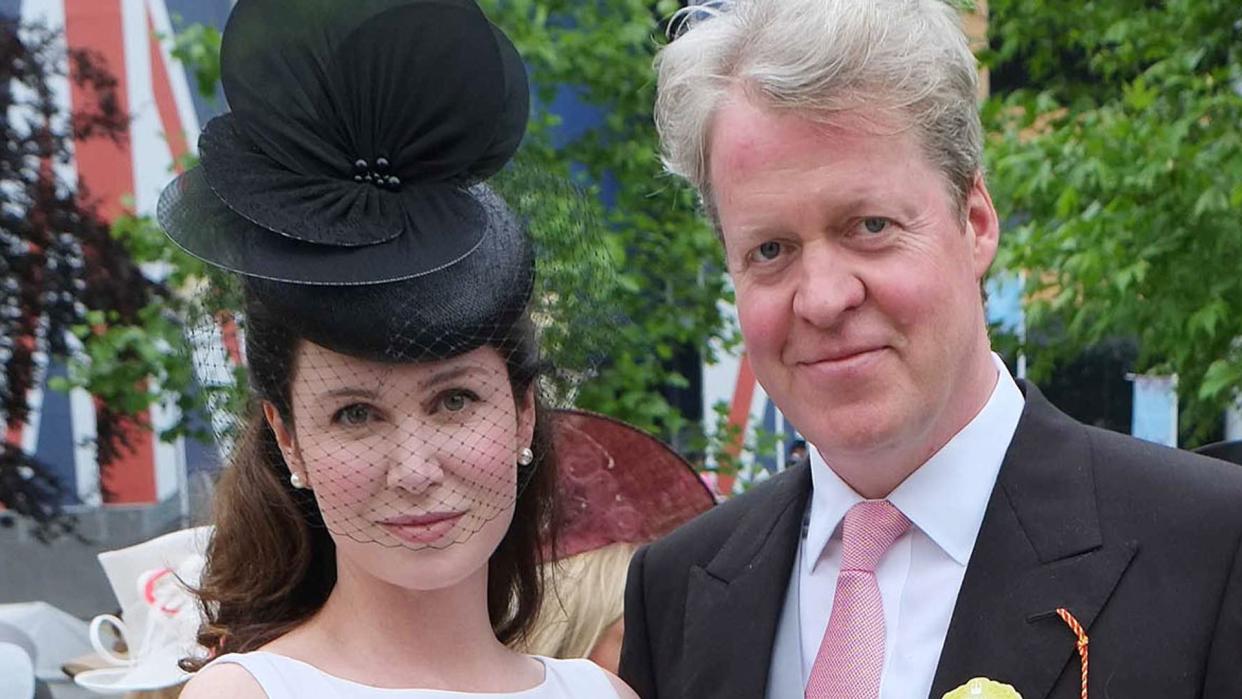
x: 875, y: 224
x: 353, y: 415
x: 768, y: 251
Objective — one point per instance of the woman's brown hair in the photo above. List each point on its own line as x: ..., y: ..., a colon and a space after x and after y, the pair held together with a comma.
x: 271, y: 563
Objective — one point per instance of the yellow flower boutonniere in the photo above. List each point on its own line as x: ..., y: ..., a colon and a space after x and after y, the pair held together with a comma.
x: 984, y: 688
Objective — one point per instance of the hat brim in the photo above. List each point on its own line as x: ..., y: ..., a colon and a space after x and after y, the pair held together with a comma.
x: 651, y: 488
x: 204, y: 226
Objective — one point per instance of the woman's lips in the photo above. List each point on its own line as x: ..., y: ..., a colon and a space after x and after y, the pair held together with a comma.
x: 422, y: 529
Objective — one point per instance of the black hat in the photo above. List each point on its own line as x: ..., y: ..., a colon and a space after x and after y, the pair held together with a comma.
x: 359, y: 136
x: 347, y: 188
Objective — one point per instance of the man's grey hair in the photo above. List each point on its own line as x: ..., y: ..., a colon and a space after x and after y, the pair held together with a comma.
x: 883, y: 58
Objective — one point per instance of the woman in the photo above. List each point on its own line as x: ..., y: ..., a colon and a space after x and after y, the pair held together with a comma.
x: 378, y: 529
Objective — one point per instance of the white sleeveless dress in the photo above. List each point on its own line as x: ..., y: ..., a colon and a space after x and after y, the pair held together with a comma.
x: 286, y: 678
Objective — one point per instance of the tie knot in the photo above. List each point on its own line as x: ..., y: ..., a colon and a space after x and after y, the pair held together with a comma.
x: 870, y: 529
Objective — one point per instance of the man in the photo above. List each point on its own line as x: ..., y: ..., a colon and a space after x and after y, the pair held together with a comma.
x: 951, y: 523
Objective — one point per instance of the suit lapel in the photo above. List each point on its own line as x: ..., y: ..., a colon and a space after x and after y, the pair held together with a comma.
x: 733, y: 604
x: 1040, y: 547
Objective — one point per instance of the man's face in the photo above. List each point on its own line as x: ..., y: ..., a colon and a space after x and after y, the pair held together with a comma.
x: 857, y: 281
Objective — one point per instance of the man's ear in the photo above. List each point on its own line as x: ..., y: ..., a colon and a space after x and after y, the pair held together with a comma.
x: 286, y: 441
x: 983, y: 225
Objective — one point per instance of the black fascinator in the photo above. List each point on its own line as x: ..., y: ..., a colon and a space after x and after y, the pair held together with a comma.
x: 357, y: 132
x: 355, y: 154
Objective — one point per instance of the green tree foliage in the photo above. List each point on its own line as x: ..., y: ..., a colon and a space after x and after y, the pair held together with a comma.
x: 669, y: 262
x: 1116, y: 163
x: 197, y: 46
x: 131, y: 363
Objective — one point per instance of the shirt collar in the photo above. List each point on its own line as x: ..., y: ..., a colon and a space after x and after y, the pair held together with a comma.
x: 946, y: 496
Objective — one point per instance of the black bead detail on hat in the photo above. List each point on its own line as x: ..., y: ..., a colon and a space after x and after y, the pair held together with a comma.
x: 443, y: 101
x: 378, y: 176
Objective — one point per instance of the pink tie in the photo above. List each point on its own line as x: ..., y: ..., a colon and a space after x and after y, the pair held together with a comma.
x: 851, y: 656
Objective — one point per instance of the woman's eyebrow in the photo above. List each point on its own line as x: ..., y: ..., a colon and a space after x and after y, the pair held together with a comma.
x: 439, y: 377
x: 451, y: 374
x: 350, y: 392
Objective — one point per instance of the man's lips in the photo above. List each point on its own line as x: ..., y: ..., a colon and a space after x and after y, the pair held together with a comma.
x: 840, y: 355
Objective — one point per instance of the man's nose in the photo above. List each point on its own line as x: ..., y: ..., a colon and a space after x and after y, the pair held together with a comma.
x: 828, y: 286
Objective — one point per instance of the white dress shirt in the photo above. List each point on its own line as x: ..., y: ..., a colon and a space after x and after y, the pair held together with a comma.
x: 921, y: 574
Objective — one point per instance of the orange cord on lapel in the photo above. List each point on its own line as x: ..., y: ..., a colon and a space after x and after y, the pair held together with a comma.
x: 1082, y: 643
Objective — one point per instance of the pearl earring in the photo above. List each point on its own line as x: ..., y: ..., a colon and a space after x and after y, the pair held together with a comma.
x: 295, y: 480
x: 526, y: 456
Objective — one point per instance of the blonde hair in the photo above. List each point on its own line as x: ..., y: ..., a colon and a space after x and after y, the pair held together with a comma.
x: 585, y: 595
x: 908, y: 58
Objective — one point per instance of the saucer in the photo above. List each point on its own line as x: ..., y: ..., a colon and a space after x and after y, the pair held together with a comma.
x: 119, y: 680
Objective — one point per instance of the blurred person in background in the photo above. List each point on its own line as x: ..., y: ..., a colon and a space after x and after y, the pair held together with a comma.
x: 582, y: 612
x: 620, y: 487
x: 797, y: 453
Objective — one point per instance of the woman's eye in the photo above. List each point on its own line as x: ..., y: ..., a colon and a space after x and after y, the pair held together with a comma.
x: 875, y: 224
x: 353, y: 415
x: 768, y: 251
x: 456, y: 401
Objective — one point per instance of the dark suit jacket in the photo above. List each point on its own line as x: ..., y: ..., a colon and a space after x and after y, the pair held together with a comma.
x: 1140, y: 542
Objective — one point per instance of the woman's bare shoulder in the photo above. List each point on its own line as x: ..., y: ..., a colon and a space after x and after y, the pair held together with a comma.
x: 623, y: 689
x: 223, y: 680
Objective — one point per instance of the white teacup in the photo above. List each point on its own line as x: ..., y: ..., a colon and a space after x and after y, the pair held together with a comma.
x: 159, y: 616
x: 94, y: 633
x: 169, y: 621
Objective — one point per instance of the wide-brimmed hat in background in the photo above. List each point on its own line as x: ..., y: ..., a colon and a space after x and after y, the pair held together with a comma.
x: 619, y: 484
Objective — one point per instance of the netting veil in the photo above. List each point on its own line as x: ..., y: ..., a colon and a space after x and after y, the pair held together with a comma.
x: 401, y: 293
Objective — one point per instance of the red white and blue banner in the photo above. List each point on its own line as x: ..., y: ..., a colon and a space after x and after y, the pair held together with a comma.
x: 133, y: 39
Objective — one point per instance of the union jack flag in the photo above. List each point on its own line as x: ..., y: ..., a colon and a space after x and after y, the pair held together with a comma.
x: 133, y: 38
